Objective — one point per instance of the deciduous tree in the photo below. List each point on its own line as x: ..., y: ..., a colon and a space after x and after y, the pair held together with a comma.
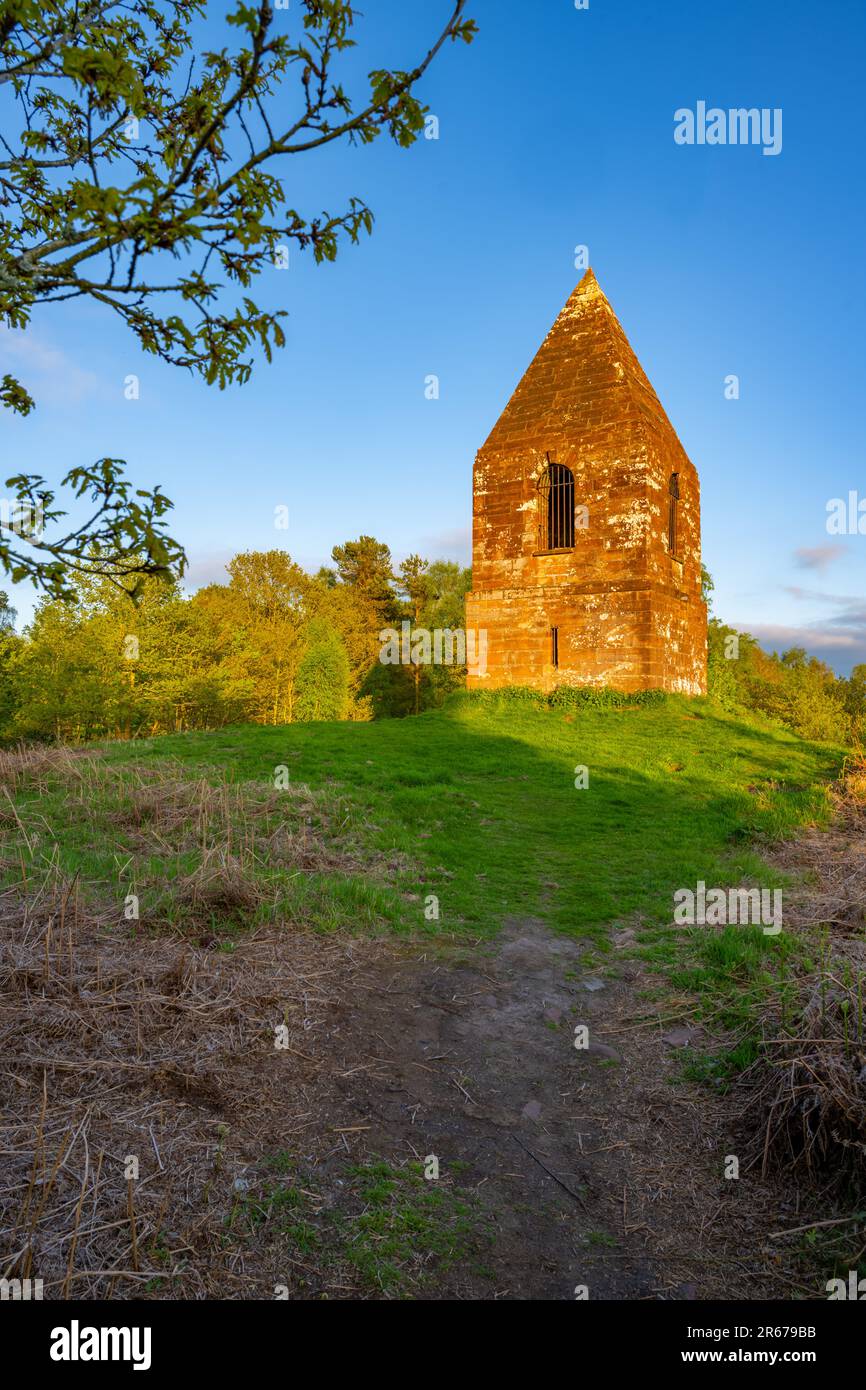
x: 147, y: 176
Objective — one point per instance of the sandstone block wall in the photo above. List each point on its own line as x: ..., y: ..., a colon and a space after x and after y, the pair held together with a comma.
x: 629, y: 613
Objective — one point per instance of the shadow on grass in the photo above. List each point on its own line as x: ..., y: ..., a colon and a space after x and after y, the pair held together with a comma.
x: 485, y: 803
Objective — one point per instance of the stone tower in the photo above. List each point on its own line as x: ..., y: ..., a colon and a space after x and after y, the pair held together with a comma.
x: 586, y: 523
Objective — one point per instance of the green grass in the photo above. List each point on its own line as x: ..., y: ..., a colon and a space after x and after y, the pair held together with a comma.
x: 835, y: 1251
x: 475, y: 804
x: 483, y: 800
x: 389, y: 1228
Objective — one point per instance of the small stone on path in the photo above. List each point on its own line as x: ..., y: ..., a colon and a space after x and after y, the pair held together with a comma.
x: 681, y: 1037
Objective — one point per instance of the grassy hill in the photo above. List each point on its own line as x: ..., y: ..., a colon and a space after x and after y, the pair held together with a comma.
x: 475, y: 803
x: 143, y: 1000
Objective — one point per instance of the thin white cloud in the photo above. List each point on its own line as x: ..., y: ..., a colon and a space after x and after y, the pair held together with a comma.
x: 48, y: 373
x: 839, y: 639
x: 449, y: 545
x: 812, y: 637
x: 841, y: 601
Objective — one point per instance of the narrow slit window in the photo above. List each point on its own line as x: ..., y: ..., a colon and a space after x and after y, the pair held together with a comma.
x: 556, y: 508
x: 554, y: 646
x: 673, y: 515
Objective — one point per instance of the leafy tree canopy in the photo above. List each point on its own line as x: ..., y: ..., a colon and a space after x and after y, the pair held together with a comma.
x: 145, y: 174
x: 147, y: 177
x: 366, y: 564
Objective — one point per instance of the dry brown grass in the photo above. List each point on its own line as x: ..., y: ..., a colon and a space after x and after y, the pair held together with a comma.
x: 806, y: 1093
x: 31, y: 765
x: 122, y: 1043
x: 122, y: 1040
x: 118, y: 1048
x: 220, y: 888
x: 199, y: 851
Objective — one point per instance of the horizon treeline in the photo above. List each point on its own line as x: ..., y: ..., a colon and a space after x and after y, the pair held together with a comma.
x: 793, y: 689
x: 274, y: 644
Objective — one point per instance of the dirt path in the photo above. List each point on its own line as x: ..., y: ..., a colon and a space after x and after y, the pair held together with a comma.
x: 582, y: 1168
x: 204, y: 1117
x: 592, y: 1168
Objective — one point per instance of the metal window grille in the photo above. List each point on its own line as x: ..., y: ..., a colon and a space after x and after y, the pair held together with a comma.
x: 556, y: 507
x: 673, y: 514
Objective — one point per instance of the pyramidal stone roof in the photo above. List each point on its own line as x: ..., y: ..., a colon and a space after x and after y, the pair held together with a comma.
x: 585, y: 370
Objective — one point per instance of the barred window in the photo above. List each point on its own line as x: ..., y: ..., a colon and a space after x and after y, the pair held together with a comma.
x: 673, y: 518
x: 556, y: 507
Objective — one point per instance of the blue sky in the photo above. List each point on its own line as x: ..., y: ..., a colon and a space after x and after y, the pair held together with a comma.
x: 556, y: 130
